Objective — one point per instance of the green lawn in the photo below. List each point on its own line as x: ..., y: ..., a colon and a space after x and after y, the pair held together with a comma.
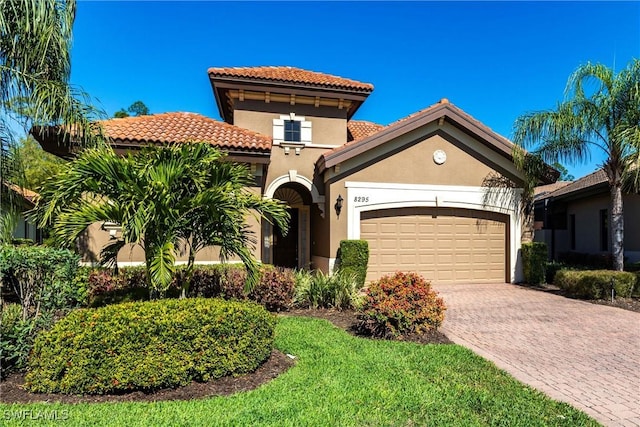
x: 340, y: 380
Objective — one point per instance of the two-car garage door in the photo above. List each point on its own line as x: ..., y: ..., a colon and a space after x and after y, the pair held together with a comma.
x: 445, y: 245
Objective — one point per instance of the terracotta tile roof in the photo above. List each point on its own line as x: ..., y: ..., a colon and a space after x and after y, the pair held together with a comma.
x: 185, y: 127
x: 358, y: 129
x: 593, y: 179
x: 291, y: 75
x: 28, y: 195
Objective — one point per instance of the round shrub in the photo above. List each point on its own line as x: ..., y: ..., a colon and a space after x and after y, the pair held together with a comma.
x: 400, y: 304
x: 150, y: 345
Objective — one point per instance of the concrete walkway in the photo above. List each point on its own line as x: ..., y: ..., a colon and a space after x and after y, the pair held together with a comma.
x: 585, y: 354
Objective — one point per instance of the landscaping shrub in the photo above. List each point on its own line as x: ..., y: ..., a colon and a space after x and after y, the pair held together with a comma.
x: 150, y: 345
x: 17, y: 336
x: 108, y: 288
x: 319, y: 290
x: 595, y: 284
x: 551, y: 268
x: 632, y: 266
x: 275, y: 290
x: 353, y: 259
x: 534, y: 259
x: 596, y: 261
x: 42, y: 278
x: 399, y: 304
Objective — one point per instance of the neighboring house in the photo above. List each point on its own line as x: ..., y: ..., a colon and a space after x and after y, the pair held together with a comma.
x: 413, y: 189
x: 575, y: 218
x: 25, y: 229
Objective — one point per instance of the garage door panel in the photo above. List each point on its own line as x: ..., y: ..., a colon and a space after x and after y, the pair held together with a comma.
x: 444, y: 245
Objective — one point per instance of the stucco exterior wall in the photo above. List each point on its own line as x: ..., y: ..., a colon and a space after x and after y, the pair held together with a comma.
x: 95, y: 238
x: 329, y: 125
x: 412, y: 165
x: 587, y: 212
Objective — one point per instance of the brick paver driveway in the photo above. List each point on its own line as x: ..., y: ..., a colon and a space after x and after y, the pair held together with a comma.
x: 585, y: 354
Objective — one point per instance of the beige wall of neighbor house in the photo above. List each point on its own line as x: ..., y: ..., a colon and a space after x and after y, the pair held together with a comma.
x: 587, y: 219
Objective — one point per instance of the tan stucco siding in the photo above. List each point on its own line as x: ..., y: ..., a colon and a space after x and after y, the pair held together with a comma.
x: 329, y: 125
x: 415, y: 165
x: 412, y: 165
x: 95, y: 239
x: 281, y: 163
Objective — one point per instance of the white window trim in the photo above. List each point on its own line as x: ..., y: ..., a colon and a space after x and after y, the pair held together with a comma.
x: 305, y: 131
x: 369, y: 196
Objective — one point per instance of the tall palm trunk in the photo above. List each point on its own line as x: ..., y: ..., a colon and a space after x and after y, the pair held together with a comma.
x: 617, y: 227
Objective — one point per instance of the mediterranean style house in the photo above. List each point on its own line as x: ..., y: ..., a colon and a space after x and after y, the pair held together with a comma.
x: 575, y: 217
x: 414, y: 189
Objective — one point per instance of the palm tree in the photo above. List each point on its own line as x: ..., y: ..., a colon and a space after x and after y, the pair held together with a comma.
x: 601, y: 111
x: 35, y: 43
x: 166, y: 199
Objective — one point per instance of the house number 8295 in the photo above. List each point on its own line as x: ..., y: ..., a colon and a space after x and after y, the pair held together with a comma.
x: 361, y: 199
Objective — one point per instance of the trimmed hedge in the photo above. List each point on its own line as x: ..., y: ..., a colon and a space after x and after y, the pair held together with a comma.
x: 150, y: 345
x: 398, y: 304
x: 534, y: 259
x: 354, y: 258
x: 595, y: 284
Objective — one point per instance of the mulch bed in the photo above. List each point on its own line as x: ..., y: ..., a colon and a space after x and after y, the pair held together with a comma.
x: 631, y: 304
x: 11, y: 390
x: 346, y: 319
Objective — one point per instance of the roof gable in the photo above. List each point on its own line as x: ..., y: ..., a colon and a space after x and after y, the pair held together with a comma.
x: 440, y: 112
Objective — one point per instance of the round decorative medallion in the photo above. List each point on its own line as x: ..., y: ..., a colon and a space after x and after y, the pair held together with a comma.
x: 439, y: 157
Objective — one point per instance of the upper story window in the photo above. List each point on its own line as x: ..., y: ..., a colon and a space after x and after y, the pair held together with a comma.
x: 292, y: 131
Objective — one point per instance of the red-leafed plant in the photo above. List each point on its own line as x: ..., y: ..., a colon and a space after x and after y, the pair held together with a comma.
x: 275, y: 290
x: 399, y: 304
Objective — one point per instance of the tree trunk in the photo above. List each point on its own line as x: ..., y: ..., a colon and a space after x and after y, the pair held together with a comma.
x: 617, y: 228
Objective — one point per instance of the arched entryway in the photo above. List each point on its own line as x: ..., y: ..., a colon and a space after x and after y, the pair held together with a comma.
x: 290, y: 249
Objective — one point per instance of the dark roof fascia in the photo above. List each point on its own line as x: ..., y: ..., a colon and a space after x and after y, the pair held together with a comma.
x: 220, y: 85
x: 452, y: 114
x: 449, y: 112
x: 129, y: 144
x: 236, y: 81
x: 598, y: 189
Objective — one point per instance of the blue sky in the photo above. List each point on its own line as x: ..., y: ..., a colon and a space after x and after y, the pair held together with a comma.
x: 495, y: 60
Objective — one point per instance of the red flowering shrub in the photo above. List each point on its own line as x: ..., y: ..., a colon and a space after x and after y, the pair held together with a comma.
x: 275, y: 290
x: 400, y: 304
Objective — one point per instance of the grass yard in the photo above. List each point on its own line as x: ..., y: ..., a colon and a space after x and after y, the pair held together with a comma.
x: 341, y: 380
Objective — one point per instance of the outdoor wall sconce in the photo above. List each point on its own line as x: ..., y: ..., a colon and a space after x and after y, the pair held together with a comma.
x: 112, y: 227
x: 338, y: 205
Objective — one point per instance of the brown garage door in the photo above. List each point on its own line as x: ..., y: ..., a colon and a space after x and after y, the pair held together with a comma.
x: 444, y: 245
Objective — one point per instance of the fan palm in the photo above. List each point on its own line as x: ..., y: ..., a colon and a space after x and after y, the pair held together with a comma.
x: 35, y: 44
x: 601, y: 111
x: 165, y: 199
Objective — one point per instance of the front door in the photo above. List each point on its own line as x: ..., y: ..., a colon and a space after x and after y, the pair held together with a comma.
x: 285, y: 248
